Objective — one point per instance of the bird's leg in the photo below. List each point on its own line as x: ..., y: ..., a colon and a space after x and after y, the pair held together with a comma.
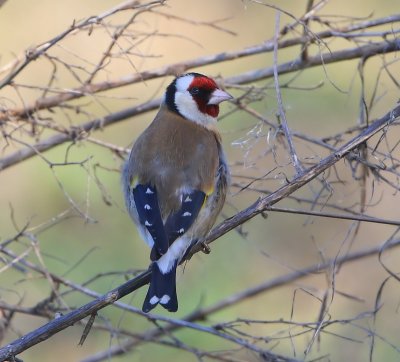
x: 205, y: 248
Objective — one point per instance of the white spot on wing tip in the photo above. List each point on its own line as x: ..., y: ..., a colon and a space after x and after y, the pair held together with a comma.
x: 165, y: 299
x: 181, y: 230
x: 147, y: 207
x: 188, y: 199
x: 187, y: 213
x: 146, y: 223
x: 154, y: 300
x: 148, y: 191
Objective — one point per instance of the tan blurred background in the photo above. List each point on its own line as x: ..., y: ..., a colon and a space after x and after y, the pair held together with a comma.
x: 33, y: 193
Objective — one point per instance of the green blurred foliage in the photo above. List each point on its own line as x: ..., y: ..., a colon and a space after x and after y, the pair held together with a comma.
x: 78, y: 249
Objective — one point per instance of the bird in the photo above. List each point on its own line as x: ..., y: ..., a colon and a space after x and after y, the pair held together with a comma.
x: 175, y: 180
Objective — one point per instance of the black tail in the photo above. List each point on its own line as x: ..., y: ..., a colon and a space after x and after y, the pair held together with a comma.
x: 162, y: 290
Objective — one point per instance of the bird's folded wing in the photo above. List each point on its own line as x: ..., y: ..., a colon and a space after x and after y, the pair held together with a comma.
x: 147, y: 207
x: 179, y: 222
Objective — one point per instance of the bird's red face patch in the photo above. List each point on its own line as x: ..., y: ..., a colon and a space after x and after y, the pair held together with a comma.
x: 201, y: 89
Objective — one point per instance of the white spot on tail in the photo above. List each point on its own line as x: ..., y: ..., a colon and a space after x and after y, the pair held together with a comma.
x: 188, y: 199
x: 146, y: 223
x: 154, y: 300
x: 147, y: 207
x: 165, y: 299
x: 181, y: 230
x: 187, y: 213
x: 148, y: 191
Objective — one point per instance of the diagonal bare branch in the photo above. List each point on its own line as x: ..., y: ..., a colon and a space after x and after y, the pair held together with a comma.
x: 203, y: 313
x: 241, y: 217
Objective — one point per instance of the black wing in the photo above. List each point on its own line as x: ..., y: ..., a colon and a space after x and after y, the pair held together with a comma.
x: 179, y: 222
x: 147, y: 207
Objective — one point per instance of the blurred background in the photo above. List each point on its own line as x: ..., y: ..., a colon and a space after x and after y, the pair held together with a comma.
x: 69, y: 204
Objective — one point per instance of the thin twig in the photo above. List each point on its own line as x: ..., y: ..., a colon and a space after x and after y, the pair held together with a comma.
x: 173, y: 69
x: 33, y: 53
x: 364, y: 218
x: 295, y: 65
x: 242, y: 296
x: 282, y: 113
x: 258, y: 207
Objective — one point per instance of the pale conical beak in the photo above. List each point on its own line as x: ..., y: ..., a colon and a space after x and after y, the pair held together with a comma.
x: 219, y: 96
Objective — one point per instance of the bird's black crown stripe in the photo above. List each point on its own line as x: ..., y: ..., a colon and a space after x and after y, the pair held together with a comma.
x: 170, y: 97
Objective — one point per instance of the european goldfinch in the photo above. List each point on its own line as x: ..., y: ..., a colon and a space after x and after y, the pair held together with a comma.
x: 176, y: 178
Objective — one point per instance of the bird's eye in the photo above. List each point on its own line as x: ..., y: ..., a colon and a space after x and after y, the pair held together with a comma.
x: 194, y: 91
